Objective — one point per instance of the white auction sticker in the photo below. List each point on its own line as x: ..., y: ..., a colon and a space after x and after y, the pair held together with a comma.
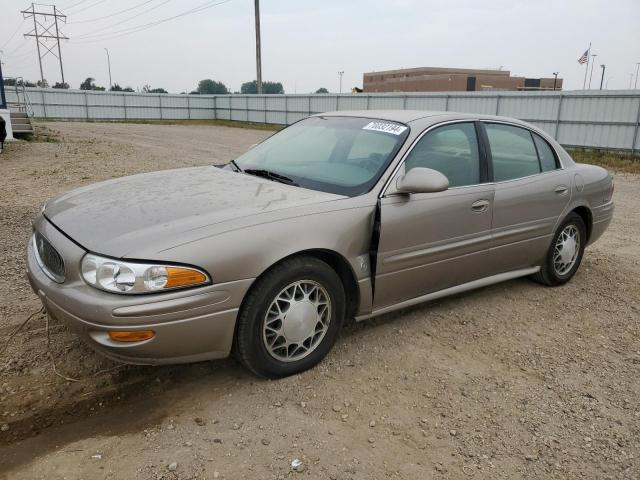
x: 385, y: 127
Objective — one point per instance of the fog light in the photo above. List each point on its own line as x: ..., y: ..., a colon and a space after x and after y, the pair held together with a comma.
x: 137, y: 336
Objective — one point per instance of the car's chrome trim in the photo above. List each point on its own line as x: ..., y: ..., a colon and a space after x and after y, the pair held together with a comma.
x: 469, y: 120
x: 482, y: 282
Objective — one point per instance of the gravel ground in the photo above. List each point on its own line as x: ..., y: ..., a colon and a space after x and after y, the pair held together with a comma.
x: 510, y: 381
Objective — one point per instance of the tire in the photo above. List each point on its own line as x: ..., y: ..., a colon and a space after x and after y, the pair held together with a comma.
x: 302, y: 285
x: 552, y: 273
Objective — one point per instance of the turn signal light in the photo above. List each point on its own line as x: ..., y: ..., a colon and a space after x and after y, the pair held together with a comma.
x: 182, y: 277
x: 136, y: 336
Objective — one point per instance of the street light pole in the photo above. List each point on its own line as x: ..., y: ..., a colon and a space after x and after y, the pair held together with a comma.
x: 258, y: 55
x: 602, y: 78
x: 109, y: 65
x: 555, y: 80
x: 637, y: 69
x: 340, y: 75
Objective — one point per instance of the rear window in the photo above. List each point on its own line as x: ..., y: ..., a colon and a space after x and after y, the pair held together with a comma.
x: 513, y: 153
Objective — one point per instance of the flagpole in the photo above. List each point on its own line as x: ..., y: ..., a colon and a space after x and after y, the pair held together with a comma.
x: 584, y: 84
x: 593, y: 61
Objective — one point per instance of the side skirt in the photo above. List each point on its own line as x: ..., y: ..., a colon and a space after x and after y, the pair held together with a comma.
x: 482, y: 282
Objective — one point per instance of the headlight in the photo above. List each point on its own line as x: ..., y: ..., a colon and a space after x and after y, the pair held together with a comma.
x: 132, y: 277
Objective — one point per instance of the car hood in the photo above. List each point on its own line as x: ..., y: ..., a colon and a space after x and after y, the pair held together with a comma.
x: 166, y: 208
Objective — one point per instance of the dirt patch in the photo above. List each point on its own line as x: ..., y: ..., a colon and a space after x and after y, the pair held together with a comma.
x: 511, y: 381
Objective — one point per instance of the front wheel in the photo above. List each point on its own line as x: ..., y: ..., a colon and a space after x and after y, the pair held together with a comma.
x: 290, y: 318
x: 565, y: 253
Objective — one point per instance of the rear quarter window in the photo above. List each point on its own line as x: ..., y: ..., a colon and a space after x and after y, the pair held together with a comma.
x: 547, y: 157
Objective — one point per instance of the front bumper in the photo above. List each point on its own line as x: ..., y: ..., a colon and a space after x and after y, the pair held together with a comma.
x: 190, y: 325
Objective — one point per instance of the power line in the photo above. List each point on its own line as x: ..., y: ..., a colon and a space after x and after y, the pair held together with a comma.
x: 88, y: 7
x: 94, y: 34
x: 13, y: 53
x: 138, y: 28
x: 20, y: 62
x: 19, y: 47
x: 113, y: 14
x: 75, y: 4
x: 13, y: 34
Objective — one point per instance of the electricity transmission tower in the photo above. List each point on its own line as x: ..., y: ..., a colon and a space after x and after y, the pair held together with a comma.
x: 46, y: 32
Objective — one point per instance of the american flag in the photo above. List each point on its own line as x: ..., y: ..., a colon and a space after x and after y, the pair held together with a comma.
x: 584, y: 57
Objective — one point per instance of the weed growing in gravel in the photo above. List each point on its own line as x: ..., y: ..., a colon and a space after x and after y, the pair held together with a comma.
x: 619, y: 161
x: 41, y: 135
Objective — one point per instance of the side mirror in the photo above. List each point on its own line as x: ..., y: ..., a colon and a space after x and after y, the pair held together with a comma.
x: 422, y: 180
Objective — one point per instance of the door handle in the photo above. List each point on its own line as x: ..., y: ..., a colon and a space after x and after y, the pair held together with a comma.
x: 561, y: 190
x: 480, y: 206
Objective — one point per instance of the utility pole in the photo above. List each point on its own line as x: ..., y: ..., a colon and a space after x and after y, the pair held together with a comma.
x: 602, y: 78
x: 340, y: 75
x: 555, y: 80
x: 637, y: 69
x: 593, y: 61
x: 109, y: 65
x: 258, y: 56
x: 43, y: 32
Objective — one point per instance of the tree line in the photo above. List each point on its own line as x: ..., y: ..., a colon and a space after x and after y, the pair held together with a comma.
x: 206, y: 86
x: 212, y: 87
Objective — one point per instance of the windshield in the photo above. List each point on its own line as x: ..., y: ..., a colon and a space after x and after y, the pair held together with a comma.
x: 343, y: 155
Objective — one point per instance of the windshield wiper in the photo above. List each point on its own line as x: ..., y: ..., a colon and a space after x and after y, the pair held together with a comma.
x: 235, y: 165
x: 270, y: 175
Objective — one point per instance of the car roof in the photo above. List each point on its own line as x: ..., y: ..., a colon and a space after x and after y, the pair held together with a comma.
x: 404, y: 116
x: 408, y: 116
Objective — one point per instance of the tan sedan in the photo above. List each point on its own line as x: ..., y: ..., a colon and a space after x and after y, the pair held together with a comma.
x: 342, y: 215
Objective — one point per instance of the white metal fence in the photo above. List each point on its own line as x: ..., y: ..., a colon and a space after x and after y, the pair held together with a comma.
x: 596, y: 119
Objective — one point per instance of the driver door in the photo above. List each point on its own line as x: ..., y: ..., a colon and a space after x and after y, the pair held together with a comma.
x: 432, y: 241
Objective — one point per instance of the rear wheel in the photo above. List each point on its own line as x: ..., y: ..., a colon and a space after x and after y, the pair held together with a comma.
x: 290, y: 318
x: 565, y: 253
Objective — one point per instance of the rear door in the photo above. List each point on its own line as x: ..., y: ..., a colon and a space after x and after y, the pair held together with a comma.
x: 432, y: 241
x: 531, y: 192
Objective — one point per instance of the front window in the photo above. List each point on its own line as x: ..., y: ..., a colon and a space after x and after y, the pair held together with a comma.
x: 451, y: 150
x: 342, y: 155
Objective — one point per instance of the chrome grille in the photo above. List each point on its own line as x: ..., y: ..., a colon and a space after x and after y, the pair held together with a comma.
x: 48, y: 257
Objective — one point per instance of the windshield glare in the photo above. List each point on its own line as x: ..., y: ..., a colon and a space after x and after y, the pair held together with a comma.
x: 343, y: 155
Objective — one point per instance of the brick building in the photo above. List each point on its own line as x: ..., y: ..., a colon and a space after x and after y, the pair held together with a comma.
x: 430, y: 79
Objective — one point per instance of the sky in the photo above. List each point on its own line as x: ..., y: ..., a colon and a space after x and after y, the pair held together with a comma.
x: 306, y: 43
